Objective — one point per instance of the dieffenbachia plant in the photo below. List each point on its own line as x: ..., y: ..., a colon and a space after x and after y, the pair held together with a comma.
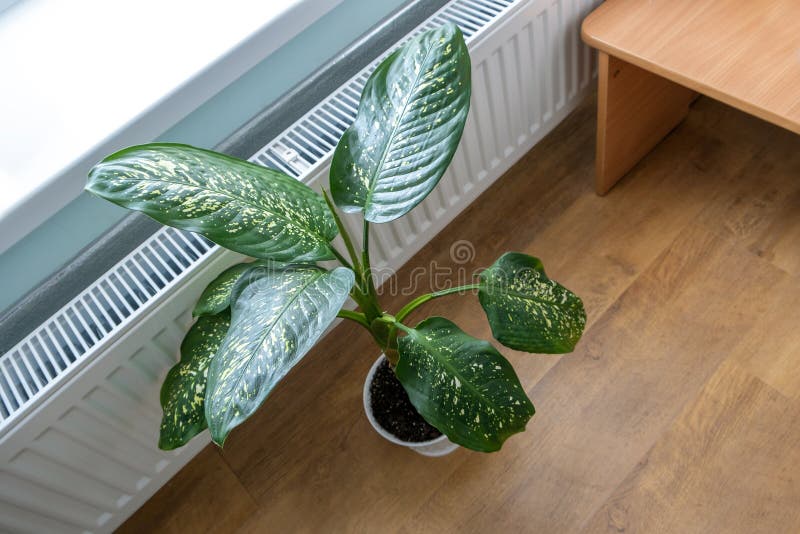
x: 258, y: 319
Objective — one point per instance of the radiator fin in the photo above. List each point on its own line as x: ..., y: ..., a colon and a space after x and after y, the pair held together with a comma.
x: 105, y: 307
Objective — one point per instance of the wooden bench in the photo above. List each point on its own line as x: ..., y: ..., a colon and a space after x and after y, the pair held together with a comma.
x: 657, y: 55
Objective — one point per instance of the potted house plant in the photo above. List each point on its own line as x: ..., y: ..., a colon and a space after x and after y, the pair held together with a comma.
x: 258, y: 319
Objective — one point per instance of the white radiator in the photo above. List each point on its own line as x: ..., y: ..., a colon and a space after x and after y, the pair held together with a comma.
x: 79, y: 411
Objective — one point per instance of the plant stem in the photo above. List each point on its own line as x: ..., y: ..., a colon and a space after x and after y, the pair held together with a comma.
x: 362, y: 293
x: 343, y: 231
x: 365, y: 263
x: 360, y: 318
x: 341, y: 258
x: 422, y: 299
x: 387, y: 338
x: 367, y: 304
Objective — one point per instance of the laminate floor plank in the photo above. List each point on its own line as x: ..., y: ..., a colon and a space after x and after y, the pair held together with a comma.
x: 728, y: 464
x: 205, y: 496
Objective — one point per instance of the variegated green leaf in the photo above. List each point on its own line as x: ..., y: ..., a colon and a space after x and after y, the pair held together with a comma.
x: 217, y: 295
x: 462, y: 385
x: 528, y: 311
x: 278, y: 313
x: 409, y: 122
x: 247, y: 208
x: 184, y: 388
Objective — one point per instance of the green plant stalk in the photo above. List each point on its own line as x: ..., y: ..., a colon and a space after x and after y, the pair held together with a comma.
x: 366, y: 301
x: 390, y: 350
x: 422, y: 299
x: 389, y: 342
x: 343, y: 231
x: 366, y: 265
x: 360, y: 318
x: 341, y: 258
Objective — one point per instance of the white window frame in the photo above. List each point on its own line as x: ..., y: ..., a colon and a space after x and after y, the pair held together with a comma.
x: 89, y: 77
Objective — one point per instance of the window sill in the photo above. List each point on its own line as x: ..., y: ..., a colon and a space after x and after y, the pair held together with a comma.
x: 107, y: 79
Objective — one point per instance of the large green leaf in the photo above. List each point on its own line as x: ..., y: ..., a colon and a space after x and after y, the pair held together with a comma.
x: 409, y: 122
x: 278, y: 313
x: 247, y: 208
x: 528, y: 311
x: 462, y: 385
x: 184, y: 388
x: 216, y: 297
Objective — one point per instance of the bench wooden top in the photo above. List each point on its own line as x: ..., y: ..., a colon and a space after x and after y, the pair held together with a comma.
x: 745, y: 53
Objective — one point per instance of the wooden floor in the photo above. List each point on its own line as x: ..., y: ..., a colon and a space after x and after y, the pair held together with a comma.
x: 678, y: 412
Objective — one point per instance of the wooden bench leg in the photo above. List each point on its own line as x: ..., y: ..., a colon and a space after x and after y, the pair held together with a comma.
x: 635, y: 110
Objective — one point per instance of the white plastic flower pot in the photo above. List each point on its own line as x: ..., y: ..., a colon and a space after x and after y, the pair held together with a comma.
x: 435, y: 447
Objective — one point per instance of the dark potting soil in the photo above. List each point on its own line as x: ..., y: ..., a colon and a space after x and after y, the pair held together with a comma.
x: 394, y: 411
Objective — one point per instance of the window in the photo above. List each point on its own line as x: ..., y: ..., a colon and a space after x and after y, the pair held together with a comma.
x: 87, y: 78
